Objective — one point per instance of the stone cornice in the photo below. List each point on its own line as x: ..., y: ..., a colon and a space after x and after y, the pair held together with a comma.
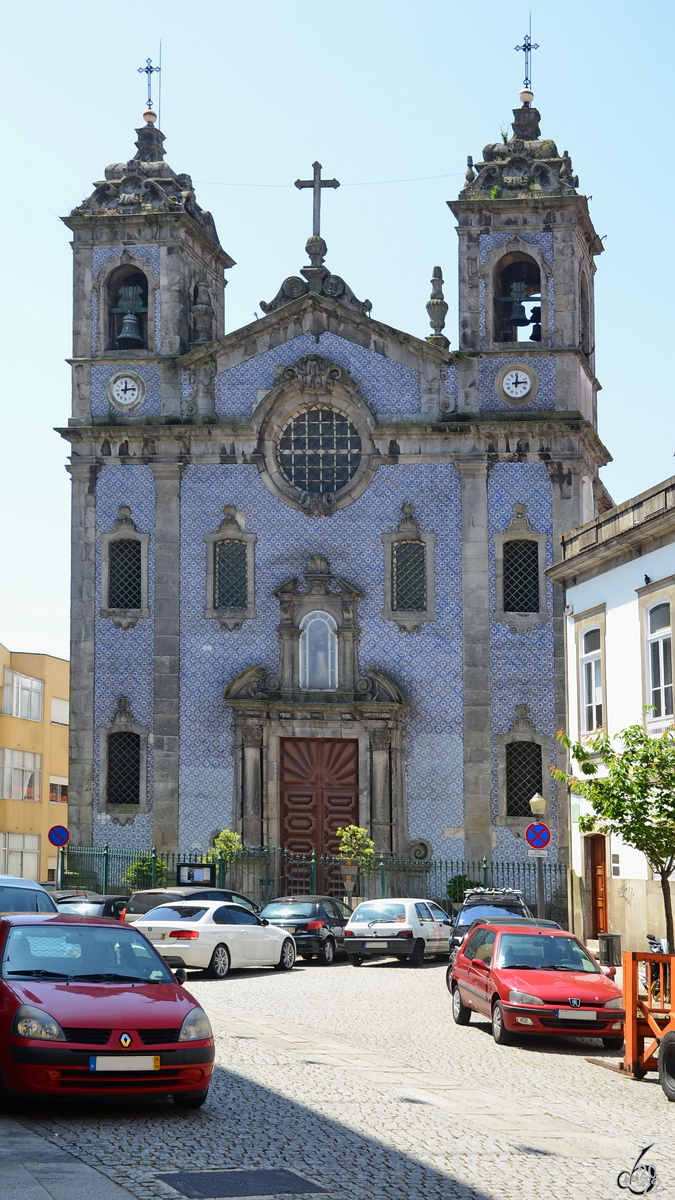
x: 496, y: 216
x: 119, y: 226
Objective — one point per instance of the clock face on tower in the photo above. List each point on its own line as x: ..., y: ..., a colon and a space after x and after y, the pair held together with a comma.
x: 517, y: 383
x: 126, y: 391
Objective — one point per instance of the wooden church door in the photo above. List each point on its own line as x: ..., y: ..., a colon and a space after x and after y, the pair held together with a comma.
x: 319, y: 792
x: 599, y: 884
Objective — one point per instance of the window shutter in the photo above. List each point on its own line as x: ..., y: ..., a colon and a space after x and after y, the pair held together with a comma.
x: 409, y: 577
x: 523, y: 777
x: 124, y: 768
x: 231, y: 590
x: 521, y: 576
x: 124, y: 588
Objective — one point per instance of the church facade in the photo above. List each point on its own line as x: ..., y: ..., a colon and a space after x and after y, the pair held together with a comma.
x: 308, y: 580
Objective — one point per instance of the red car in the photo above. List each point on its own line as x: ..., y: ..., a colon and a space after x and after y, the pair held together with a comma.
x: 535, y: 980
x: 88, y: 1008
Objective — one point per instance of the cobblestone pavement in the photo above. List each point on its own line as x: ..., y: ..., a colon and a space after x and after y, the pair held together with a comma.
x: 361, y: 1082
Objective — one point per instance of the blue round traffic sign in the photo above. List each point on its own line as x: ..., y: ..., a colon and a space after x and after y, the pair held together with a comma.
x: 538, y: 835
x: 58, y: 835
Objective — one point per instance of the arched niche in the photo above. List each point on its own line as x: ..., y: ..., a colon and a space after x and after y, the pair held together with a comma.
x: 517, y: 299
x: 127, y: 295
x: 503, y: 259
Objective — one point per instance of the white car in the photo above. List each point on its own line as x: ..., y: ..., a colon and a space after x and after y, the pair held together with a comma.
x: 208, y: 935
x: 397, y: 928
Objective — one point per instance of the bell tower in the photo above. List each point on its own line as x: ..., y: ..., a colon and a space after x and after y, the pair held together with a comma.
x: 526, y: 266
x: 147, y: 284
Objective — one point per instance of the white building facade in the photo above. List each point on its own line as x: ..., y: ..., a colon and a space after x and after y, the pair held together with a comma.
x: 618, y: 572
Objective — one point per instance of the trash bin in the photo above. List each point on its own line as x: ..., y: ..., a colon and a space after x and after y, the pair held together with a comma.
x: 609, y: 949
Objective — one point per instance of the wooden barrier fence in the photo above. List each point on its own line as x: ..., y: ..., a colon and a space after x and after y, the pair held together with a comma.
x: 649, y: 1002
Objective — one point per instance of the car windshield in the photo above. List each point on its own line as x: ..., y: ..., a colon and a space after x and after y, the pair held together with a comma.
x: 486, y: 912
x: 544, y: 952
x: 282, y: 908
x: 24, y: 899
x: 176, y: 912
x: 90, y: 909
x: 378, y: 911
x: 99, y: 953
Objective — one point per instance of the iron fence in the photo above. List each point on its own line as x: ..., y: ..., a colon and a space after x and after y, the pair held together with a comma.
x: 265, y: 872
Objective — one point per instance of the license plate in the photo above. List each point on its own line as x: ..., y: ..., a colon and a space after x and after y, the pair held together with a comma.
x: 290, y: 928
x: 369, y: 945
x: 574, y: 1014
x: 163, y: 936
x: 126, y: 1062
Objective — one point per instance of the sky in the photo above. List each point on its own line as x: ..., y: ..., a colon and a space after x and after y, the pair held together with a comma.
x: 390, y: 97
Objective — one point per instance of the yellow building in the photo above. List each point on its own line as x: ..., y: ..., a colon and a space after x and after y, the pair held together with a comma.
x: 33, y: 761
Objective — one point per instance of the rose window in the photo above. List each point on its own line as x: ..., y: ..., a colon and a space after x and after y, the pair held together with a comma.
x: 319, y: 450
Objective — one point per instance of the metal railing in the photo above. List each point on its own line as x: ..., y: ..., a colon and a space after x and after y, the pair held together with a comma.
x: 264, y: 872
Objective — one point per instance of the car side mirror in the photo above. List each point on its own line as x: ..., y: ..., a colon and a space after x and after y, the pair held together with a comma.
x: 609, y: 971
x: 180, y: 974
x: 454, y: 942
x: 264, y: 921
x: 450, y: 923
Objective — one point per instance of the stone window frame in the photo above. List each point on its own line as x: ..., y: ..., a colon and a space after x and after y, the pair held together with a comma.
x: 522, y: 730
x: 100, y: 289
x: 231, y: 528
x: 313, y: 382
x: 408, y: 530
x: 656, y: 592
x: 124, y: 529
x: 123, y: 722
x: 519, y: 530
x: 488, y: 272
x: 589, y: 618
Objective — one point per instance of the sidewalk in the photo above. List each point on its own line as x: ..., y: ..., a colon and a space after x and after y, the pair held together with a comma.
x: 32, y: 1168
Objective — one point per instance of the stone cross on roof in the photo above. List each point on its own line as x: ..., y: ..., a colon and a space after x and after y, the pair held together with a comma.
x: 316, y: 184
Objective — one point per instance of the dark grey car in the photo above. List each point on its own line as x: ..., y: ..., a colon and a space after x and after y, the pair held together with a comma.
x: 316, y: 922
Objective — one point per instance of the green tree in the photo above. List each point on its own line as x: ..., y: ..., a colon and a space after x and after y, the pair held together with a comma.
x: 355, y: 843
x: 138, y: 876
x: 458, y: 885
x: 226, y: 844
x: 634, y: 799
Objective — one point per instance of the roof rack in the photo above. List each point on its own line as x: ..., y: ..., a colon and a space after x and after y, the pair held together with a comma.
x: 493, y: 891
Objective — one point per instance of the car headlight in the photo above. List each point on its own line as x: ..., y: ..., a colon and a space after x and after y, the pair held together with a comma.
x: 524, y: 998
x: 35, y: 1023
x: 615, y: 1002
x: 196, y: 1025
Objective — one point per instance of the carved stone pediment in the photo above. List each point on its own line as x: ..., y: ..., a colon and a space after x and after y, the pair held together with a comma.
x: 318, y: 279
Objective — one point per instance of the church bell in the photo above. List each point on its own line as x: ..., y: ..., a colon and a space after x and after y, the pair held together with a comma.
x: 518, y: 315
x: 535, y: 318
x: 130, y: 333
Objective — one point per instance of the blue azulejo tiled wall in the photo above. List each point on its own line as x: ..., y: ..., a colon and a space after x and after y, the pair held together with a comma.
x: 489, y: 368
x: 427, y: 666
x: 521, y: 664
x: 124, y: 657
x: 388, y: 387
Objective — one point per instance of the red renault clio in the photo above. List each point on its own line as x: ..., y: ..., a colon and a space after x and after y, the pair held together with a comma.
x: 88, y: 1008
x: 535, y: 980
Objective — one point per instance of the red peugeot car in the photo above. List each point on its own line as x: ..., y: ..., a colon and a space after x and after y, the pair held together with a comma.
x: 88, y: 1008
x: 535, y: 980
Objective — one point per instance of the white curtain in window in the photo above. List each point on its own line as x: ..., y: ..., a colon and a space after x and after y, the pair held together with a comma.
x: 318, y: 653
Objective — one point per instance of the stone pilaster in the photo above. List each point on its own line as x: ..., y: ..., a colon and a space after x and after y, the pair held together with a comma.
x: 380, y: 774
x: 476, y: 662
x: 252, y: 823
x: 82, y: 648
x: 166, y: 721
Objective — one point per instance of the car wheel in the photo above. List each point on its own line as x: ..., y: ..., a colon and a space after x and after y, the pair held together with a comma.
x: 448, y: 979
x: 190, y: 1099
x: 219, y: 966
x: 287, y: 956
x: 327, y: 952
x: 461, y: 1015
x: 615, y: 1044
x: 416, y: 959
x: 499, y: 1033
x: 667, y: 1065
x: 355, y: 959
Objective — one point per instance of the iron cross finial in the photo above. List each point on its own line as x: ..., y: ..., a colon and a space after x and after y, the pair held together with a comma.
x: 528, y: 46
x: 316, y: 184
x: 149, y: 70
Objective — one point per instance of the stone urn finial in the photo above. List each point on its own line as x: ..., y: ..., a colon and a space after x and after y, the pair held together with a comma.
x: 437, y: 309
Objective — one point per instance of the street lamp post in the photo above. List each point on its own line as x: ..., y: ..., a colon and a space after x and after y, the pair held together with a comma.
x: 538, y: 808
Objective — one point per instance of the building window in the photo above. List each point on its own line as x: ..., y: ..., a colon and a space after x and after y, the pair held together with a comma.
x: 124, y: 768
x: 523, y: 777
x: 409, y: 577
x: 230, y: 575
x: 60, y: 712
x: 591, y: 681
x: 58, y: 790
x: 124, y: 579
x: 319, y: 450
x: 660, y: 662
x: 521, y: 576
x: 230, y: 571
x: 318, y: 653
x: 22, y: 696
x: 20, y: 775
x: 20, y: 855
